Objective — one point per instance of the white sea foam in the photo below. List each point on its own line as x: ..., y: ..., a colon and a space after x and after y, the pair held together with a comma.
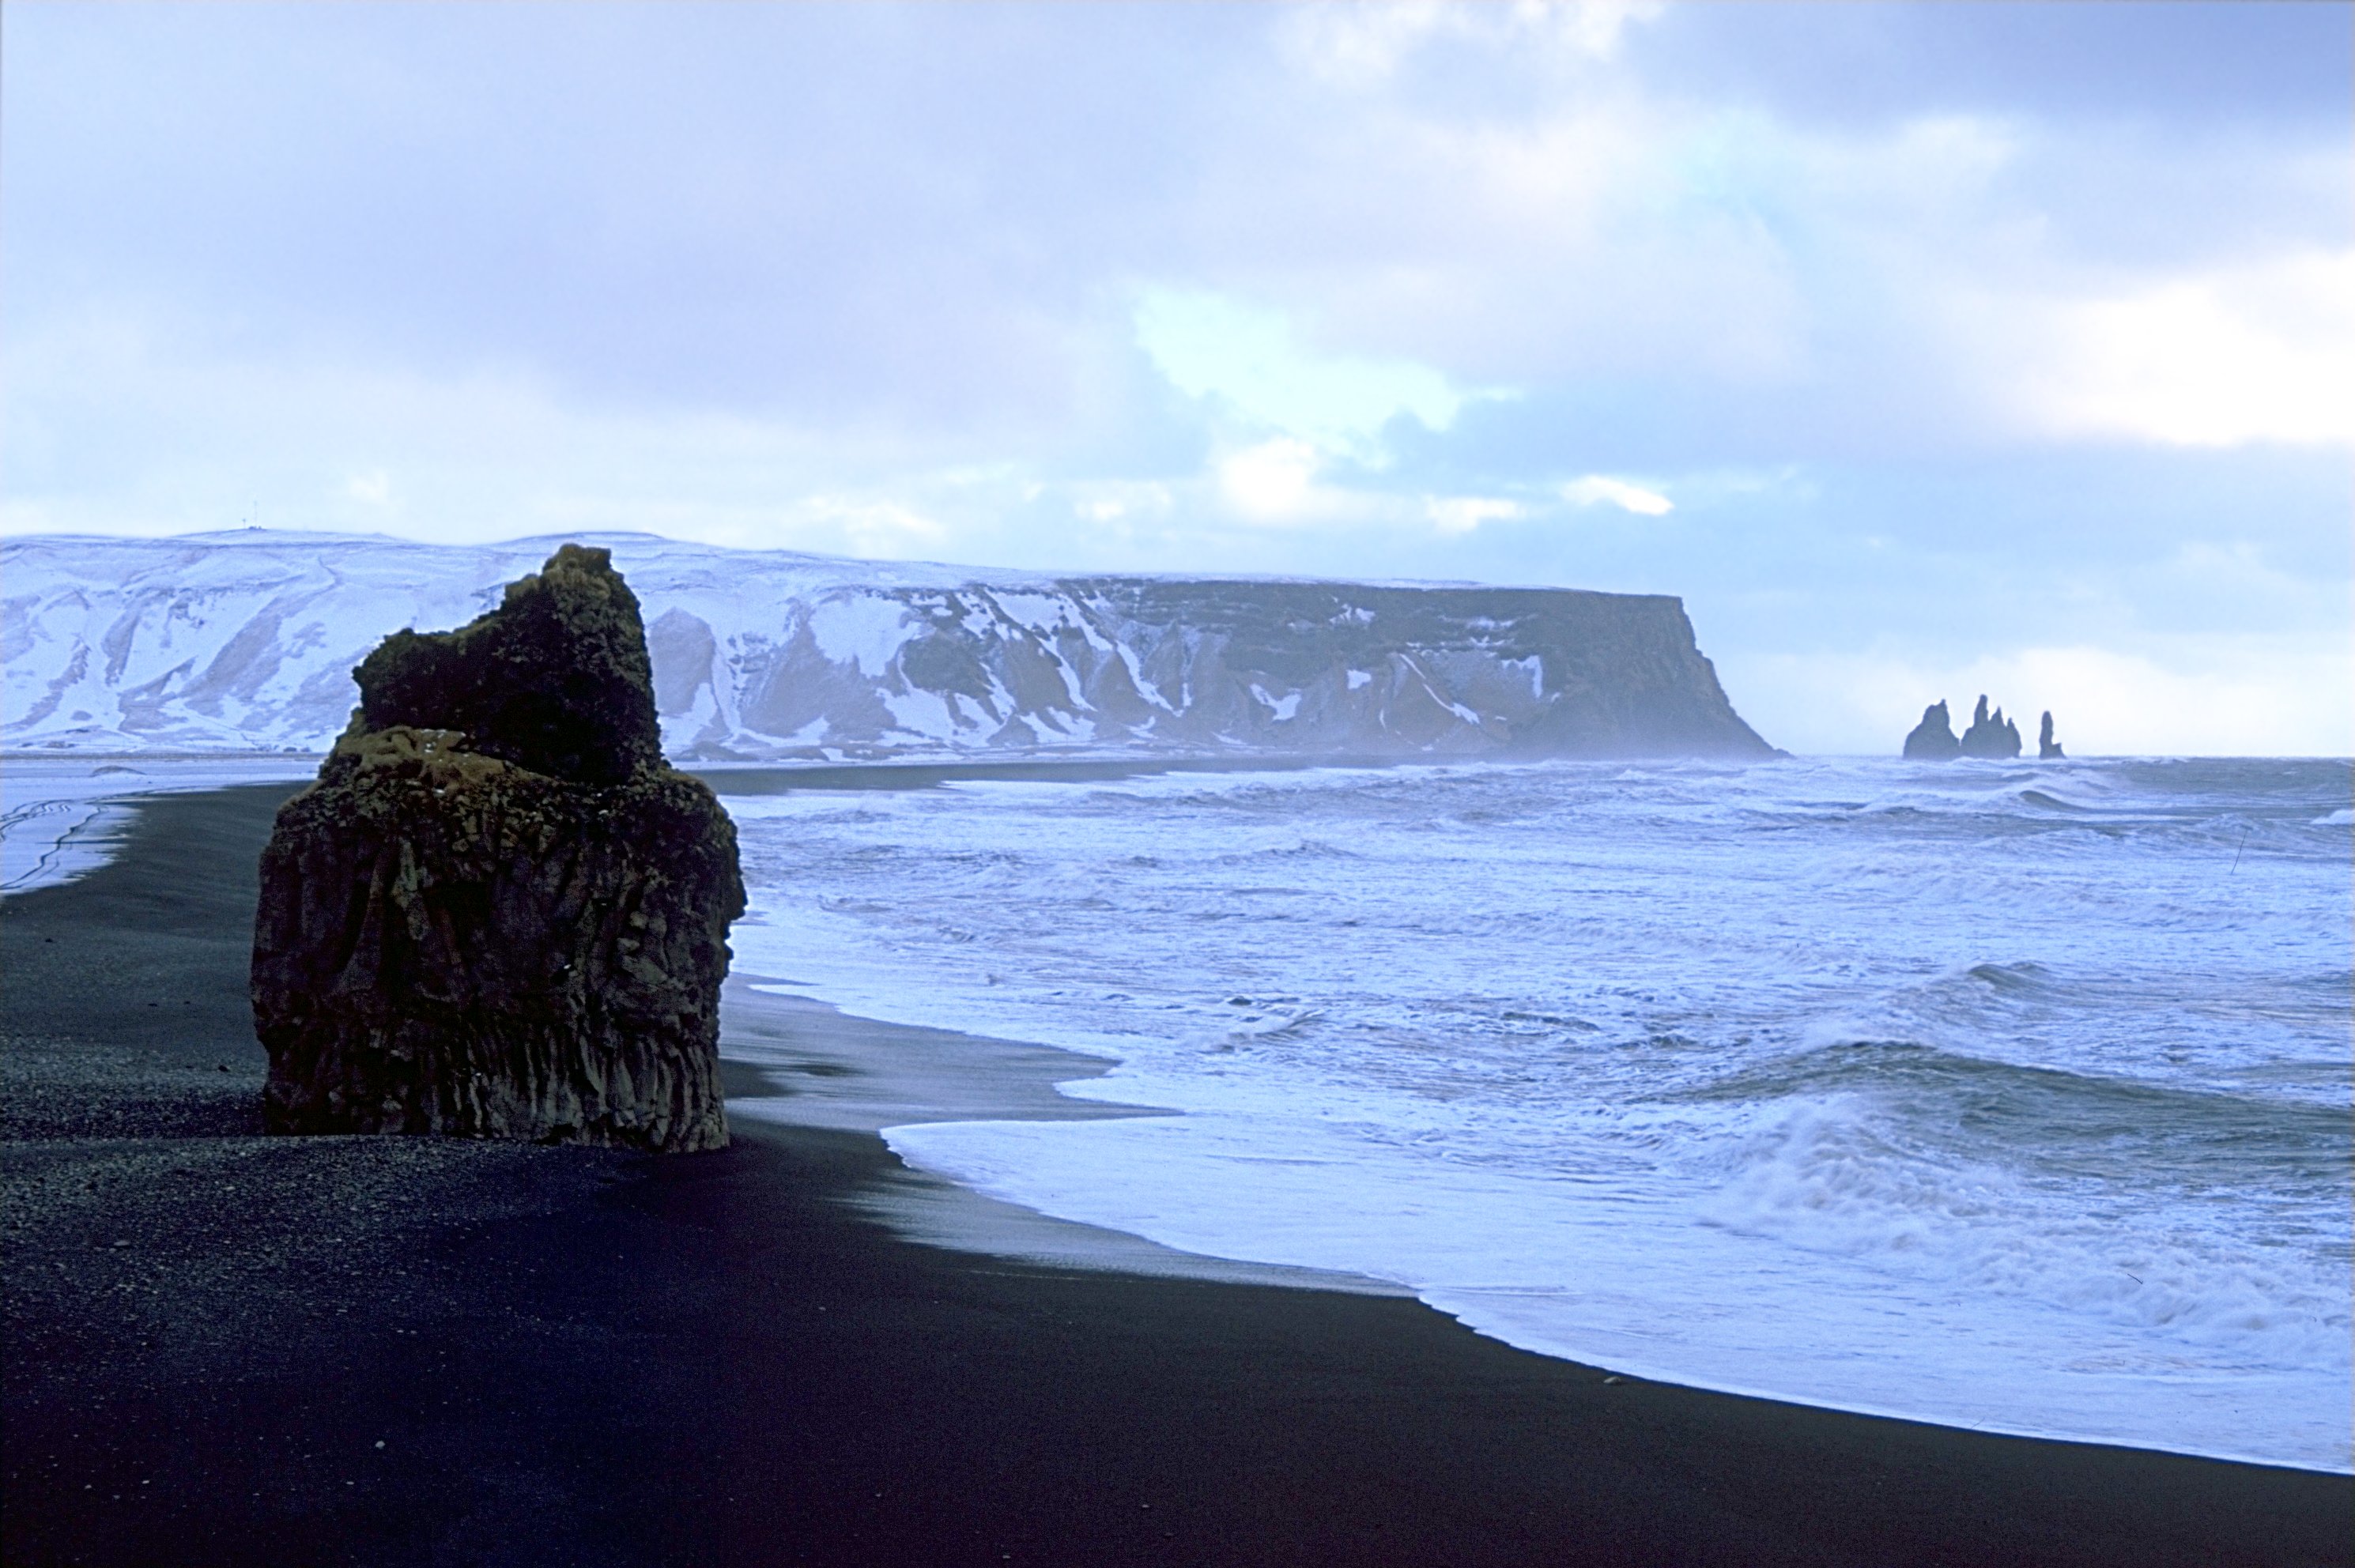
x: 62, y: 817
x: 2007, y: 1095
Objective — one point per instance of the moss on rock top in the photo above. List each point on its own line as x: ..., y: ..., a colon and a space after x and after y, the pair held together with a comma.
x: 555, y: 680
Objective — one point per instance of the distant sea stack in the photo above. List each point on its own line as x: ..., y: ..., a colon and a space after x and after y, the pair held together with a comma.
x: 499, y: 912
x: 1933, y: 737
x: 1991, y: 735
x: 246, y: 642
x: 2047, y: 749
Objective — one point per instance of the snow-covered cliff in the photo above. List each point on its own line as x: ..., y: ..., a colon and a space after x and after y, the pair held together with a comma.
x: 246, y: 640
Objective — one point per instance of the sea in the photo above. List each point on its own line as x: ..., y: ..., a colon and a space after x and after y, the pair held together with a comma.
x: 2012, y: 1095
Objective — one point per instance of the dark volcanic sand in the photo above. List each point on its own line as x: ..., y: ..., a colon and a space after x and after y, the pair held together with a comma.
x: 227, y: 1348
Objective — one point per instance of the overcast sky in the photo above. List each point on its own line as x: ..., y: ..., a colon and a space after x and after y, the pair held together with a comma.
x: 1923, y: 350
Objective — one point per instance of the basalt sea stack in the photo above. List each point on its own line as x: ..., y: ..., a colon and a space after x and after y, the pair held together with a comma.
x: 1991, y: 734
x: 1933, y: 737
x: 499, y: 912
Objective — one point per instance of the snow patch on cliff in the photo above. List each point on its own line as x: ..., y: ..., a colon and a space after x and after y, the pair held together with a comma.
x: 245, y: 642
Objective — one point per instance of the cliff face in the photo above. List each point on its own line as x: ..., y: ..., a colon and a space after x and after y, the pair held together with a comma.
x: 516, y: 930
x: 1169, y: 665
x: 245, y: 642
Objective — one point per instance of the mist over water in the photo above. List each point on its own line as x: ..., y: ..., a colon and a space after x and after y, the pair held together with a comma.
x: 2002, y: 1095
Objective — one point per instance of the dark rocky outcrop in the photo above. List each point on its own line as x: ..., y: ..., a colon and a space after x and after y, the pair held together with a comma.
x: 2047, y: 749
x: 555, y: 680
x: 1991, y: 734
x: 1933, y: 737
x: 498, y: 913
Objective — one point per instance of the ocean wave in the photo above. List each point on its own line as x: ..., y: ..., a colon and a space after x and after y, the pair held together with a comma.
x: 1910, y: 1092
x: 1839, y: 1174
x: 2118, y: 1130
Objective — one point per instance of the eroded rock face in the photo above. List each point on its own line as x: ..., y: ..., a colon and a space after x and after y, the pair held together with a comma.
x: 1933, y: 737
x: 499, y: 912
x: 1991, y: 734
x: 555, y: 680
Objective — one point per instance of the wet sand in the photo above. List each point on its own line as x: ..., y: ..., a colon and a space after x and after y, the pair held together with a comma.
x: 223, y: 1348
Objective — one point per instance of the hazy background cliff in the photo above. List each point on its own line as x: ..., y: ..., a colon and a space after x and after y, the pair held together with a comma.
x: 246, y: 640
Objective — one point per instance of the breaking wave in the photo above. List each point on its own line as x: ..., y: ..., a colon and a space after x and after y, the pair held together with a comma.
x: 2014, y: 1096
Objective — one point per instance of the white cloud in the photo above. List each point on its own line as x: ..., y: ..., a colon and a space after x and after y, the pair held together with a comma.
x: 481, y: 456
x: 1274, y: 482
x: 2263, y: 352
x: 1598, y: 489
x: 1463, y: 513
x: 1112, y: 501
x: 883, y: 529
x: 1596, y: 236
x: 1363, y: 45
x: 1247, y: 358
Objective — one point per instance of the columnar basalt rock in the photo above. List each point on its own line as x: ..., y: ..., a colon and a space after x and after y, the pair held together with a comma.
x: 1991, y: 734
x: 2047, y: 747
x: 1933, y: 737
x: 499, y: 912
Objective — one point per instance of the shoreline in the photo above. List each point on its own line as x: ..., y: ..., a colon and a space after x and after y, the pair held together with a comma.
x: 797, y: 1062
x: 576, y: 1355
x: 2007, y: 1317
x: 825, y: 1068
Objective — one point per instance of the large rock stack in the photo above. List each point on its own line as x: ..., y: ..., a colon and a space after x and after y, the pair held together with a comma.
x: 1933, y: 737
x: 1991, y: 734
x: 498, y: 913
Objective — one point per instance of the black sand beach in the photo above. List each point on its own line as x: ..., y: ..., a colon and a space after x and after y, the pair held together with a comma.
x: 223, y: 1348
